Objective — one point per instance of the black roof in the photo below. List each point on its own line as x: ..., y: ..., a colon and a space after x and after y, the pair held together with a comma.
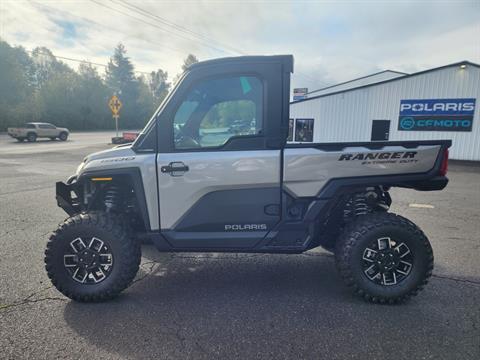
x: 359, y: 78
x: 465, y: 62
x: 286, y: 60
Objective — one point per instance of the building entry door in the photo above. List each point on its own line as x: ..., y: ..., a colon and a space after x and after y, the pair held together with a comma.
x: 380, y: 130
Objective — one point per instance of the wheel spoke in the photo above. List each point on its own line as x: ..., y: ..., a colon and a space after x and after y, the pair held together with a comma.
x: 78, y: 245
x: 80, y: 275
x: 372, y: 272
x: 369, y: 254
x: 404, y: 267
x: 384, y: 243
x: 97, y: 275
x: 70, y: 260
x: 402, y: 249
x: 95, y: 244
x: 105, y: 259
x: 389, y: 278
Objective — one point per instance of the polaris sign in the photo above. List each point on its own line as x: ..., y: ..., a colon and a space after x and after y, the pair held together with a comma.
x: 436, y: 115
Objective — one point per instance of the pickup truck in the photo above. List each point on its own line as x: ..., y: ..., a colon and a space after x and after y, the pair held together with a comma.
x: 34, y: 130
x: 188, y: 183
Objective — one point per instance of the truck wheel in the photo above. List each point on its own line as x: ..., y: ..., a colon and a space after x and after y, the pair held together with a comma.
x: 92, y: 257
x: 63, y: 136
x: 32, y: 137
x: 384, y: 258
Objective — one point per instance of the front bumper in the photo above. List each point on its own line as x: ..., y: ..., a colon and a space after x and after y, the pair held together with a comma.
x: 71, y: 205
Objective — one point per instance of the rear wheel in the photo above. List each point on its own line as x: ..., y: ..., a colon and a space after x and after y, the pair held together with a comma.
x: 92, y: 257
x: 32, y: 137
x: 63, y: 136
x: 384, y: 257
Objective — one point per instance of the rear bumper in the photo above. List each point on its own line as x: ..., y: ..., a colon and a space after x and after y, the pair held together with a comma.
x: 436, y: 183
x: 63, y: 195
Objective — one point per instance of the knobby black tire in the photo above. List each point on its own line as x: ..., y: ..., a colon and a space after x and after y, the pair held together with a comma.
x: 353, y: 238
x: 127, y: 256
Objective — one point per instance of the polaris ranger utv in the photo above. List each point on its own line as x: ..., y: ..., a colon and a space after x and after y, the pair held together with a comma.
x: 212, y: 172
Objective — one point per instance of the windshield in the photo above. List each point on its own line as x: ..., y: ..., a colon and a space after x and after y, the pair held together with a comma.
x: 144, y: 140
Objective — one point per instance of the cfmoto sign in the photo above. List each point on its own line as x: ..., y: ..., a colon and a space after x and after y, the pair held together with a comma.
x: 407, y: 123
x: 436, y: 115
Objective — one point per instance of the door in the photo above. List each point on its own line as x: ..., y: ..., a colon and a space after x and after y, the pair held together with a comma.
x: 47, y: 130
x: 380, y: 130
x: 219, y: 181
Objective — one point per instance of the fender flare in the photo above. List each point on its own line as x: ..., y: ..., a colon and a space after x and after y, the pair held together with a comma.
x: 135, y: 176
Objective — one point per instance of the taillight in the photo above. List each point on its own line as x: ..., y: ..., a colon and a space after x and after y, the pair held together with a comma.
x: 444, y: 165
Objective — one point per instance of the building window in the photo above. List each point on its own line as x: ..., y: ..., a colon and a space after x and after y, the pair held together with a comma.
x: 304, y: 130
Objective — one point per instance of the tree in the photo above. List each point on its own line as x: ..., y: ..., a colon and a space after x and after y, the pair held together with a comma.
x: 46, y: 65
x: 189, y: 60
x: 15, y: 88
x: 38, y: 87
x: 120, y: 75
x: 92, y: 95
x: 120, y: 78
x: 145, y: 103
x: 159, y: 86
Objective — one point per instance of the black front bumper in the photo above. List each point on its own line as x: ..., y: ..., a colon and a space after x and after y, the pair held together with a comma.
x: 71, y: 205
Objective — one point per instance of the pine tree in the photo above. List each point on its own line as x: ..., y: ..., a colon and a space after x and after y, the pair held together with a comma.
x: 120, y: 78
x: 190, y: 59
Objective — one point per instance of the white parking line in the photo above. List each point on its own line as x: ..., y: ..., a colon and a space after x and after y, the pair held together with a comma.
x: 422, y: 206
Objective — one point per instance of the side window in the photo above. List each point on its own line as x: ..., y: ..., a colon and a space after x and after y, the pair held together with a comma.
x: 46, y: 126
x: 216, y: 110
x: 30, y: 126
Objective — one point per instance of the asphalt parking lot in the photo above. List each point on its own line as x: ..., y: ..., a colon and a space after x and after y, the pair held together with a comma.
x: 246, y: 306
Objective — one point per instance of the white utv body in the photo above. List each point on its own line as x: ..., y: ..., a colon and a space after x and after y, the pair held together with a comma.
x: 212, y: 171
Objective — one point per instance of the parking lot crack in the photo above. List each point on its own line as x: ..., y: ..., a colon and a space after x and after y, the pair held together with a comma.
x: 456, y: 279
x: 5, y: 307
x: 150, y: 265
x: 31, y: 300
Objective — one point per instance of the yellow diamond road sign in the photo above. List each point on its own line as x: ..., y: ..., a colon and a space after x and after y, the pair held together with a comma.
x: 115, y: 104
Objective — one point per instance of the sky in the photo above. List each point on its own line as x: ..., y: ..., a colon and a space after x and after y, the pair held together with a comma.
x: 332, y: 41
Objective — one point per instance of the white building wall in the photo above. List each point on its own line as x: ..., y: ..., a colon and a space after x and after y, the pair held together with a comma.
x: 348, y: 116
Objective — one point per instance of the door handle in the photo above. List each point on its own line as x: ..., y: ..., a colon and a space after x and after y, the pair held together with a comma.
x: 175, y: 168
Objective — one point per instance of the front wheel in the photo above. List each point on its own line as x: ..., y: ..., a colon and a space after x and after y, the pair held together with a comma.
x: 32, y: 137
x: 384, y: 257
x: 63, y: 136
x: 92, y: 257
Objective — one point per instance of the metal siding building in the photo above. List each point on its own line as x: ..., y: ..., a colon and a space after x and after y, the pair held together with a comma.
x: 347, y: 115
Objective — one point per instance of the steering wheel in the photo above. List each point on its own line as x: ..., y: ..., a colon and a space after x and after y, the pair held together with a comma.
x: 183, y: 141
